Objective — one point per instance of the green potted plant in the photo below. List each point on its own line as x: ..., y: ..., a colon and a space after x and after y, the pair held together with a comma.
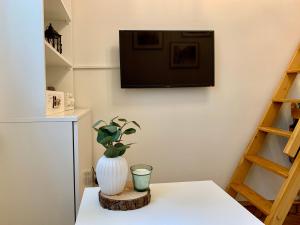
x: 112, y: 167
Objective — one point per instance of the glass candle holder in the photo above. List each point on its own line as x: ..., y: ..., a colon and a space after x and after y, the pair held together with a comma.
x: 141, y: 175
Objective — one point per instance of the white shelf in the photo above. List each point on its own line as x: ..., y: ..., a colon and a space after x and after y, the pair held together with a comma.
x: 71, y: 115
x: 54, y: 58
x: 56, y: 10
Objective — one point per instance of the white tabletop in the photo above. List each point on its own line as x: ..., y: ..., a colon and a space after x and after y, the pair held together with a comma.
x: 184, y: 203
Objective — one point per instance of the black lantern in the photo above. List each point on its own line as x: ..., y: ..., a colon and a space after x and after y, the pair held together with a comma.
x: 53, y: 38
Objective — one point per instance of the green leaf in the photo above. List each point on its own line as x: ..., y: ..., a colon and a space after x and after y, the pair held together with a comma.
x: 103, y: 133
x: 118, y: 145
x: 116, y: 135
x: 121, y: 148
x: 97, y: 123
x: 129, y: 131
x: 118, y: 149
x: 122, y: 152
x: 115, y: 124
x: 135, y: 123
x: 110, y: 128
x: 111, y: 152
x: 105, y: 141
x: 122, y: 120
x: 104, y: 137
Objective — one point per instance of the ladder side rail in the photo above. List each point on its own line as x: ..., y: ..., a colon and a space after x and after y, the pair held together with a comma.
x: 287, y: 80
x: 293, y: 144
x: 286, y: 196
x: 295, y: 63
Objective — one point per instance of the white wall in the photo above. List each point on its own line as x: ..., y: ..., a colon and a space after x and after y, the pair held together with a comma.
x: 190, y: 133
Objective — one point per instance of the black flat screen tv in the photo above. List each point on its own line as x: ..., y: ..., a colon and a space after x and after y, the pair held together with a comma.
x: 159, y: 59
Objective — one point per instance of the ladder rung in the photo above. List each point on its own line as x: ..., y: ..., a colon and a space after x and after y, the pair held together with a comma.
x: 286, y: 100
x: 257, y: 200
x: 293, y: 71
x: 269, y: 165
x: 276, y: 131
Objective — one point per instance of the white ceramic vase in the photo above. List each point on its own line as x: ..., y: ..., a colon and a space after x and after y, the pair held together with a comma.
x: 112, y: 174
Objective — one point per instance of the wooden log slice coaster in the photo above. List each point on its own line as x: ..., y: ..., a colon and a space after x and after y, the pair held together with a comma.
x: 129, y: 199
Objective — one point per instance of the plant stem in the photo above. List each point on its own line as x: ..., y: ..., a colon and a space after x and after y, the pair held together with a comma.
x: 124, y: 125
x: 121, y: 130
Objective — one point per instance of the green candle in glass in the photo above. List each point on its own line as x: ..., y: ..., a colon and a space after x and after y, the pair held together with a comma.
x: 141, y: 175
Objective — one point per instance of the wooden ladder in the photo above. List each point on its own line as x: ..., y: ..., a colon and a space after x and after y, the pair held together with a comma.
x: 276, y: 211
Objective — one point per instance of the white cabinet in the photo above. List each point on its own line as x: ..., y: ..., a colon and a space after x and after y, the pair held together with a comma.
x: 44, y: 160
x: 43, y: 166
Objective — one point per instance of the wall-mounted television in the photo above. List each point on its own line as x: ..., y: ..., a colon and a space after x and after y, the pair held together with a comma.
x: 159, y: 59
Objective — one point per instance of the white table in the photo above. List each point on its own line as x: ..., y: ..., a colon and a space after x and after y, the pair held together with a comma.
x: 184, y: 203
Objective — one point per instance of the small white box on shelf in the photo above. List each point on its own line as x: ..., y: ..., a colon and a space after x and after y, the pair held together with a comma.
x: 55, y: 102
